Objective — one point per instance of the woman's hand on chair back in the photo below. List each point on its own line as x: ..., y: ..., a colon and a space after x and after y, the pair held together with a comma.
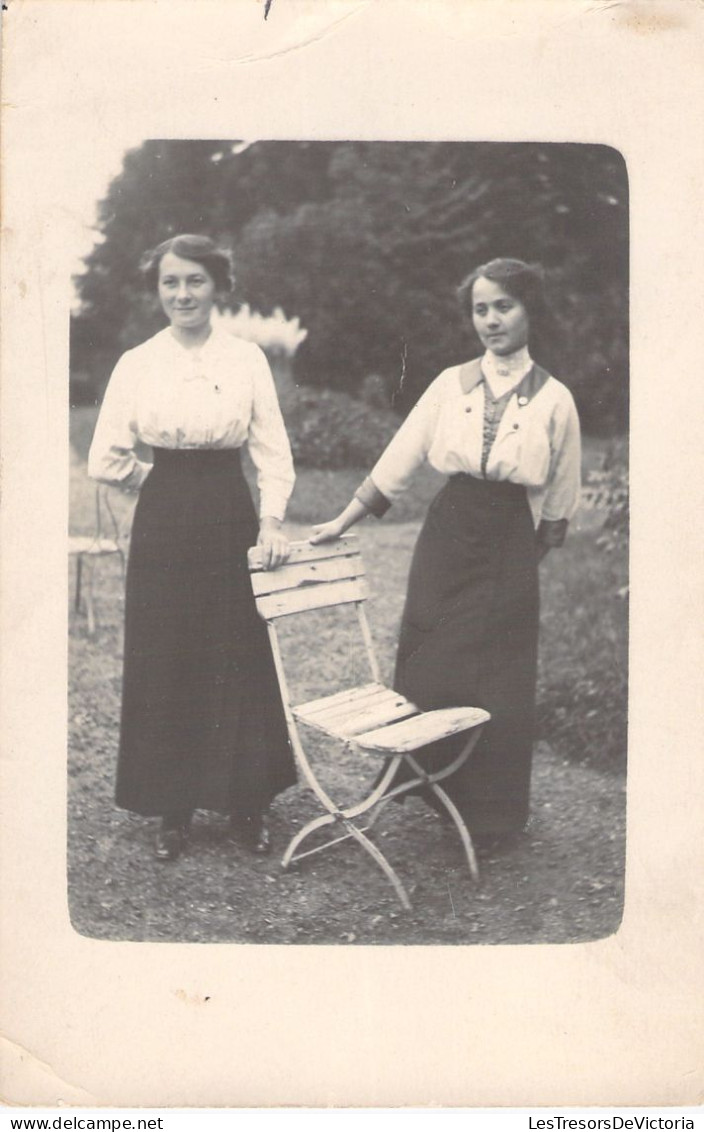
x: 274, y: 544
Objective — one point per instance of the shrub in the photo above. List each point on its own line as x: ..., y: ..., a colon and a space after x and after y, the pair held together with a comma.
x: 329, y: 429
x: 583, y: 685
x: 584, y: 717
x: 375, y: 391
x: 607, y: 487
x: 583, y: 674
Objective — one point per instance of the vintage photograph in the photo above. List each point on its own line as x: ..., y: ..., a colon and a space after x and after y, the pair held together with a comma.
x: 349, y: 544
x: 350, y: 742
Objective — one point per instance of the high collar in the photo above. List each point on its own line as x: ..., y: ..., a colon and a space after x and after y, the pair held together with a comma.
x: 505, y: 371
x: 471, y: 374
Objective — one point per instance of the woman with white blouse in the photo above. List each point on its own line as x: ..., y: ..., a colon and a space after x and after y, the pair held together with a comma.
x: 202, y: 724
x: 506, y: 434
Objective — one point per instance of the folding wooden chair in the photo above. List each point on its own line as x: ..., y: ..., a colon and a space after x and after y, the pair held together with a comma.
x: 371, y: 718
x: 88, y: 548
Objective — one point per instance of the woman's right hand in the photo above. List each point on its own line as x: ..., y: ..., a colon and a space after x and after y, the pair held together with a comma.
x: 334, y: 528
x: 327, y: 532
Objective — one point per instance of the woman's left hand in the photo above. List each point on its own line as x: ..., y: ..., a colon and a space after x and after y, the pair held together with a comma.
x: 274, y: 544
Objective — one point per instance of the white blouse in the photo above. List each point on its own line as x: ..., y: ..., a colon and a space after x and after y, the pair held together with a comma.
x: 537, y: 443
x: 220, y: 395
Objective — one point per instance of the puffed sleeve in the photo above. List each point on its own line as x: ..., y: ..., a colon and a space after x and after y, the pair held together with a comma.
x: 564, y: 481
x: 112, y: 458
x: 268, y: 442
x: 402, y: 457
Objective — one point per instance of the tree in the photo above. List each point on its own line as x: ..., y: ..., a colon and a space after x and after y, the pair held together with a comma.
x: 366, y: 243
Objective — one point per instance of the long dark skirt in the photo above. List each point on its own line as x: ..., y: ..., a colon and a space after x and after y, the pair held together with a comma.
x: 469, y: 636
x: 202, y: 722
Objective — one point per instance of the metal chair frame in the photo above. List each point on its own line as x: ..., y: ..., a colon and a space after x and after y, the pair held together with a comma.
x: 88, y: 548
x: 371, y: 718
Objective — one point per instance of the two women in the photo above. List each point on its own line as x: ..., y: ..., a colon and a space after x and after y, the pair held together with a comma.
x: 202, y: 724
x: 506, y: 434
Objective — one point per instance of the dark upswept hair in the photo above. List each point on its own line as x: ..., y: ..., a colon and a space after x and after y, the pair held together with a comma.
x: 524, y: 281
x: 216, y: 261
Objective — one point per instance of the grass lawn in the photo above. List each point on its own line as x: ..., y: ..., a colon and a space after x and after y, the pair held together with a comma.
x: 562, y: 884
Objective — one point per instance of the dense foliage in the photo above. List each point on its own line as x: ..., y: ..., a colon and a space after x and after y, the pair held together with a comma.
x: 366, y: 242
x: 607, y: 487
x: 330, y: 429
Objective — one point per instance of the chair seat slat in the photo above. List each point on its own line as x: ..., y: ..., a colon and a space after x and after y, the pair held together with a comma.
x: 410, y: 734
x: 290, y: 577
x: 374, y: 697
x: 363, y: 715
x: 311, y: 597
x: 87, y: 544
x: 348, y: 695
x: 358, y: 723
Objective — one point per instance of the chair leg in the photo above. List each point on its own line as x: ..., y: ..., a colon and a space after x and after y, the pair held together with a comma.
x: 381, y: 805
x: 377, y: 799
x: 358, y: 835
x: 381, y: 796
x: 90, y: 608
x: 79, y: 572
x: 352, y: 831
x: 431, y: 781
x: 311, y: 827
x: 355, y: 832
x: 461, y: 828
x: 381, y: 862
x: 451, y: 809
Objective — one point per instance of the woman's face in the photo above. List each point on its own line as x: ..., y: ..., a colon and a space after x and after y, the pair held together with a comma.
x: 187, y: 292
x: 500, y: 320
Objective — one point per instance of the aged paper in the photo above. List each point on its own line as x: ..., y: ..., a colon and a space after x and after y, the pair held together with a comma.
x: 618, y: 1021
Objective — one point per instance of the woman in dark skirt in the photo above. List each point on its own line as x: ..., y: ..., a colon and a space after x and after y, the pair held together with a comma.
x: 506, y: 434
x: 202, y: 724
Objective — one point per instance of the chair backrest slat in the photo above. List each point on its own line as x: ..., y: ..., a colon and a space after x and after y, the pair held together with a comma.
x: 291, y: 577
x: 315, y: 596
x: 305, y: 552
x: 313, y: 577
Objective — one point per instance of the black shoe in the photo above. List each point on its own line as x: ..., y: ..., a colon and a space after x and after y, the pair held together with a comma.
x: 262, y: 846
x: 169, y: 843
x: 252, y: 833
x: 171, y: 838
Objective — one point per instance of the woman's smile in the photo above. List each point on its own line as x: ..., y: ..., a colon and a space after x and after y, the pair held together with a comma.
x: 186, y: 291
